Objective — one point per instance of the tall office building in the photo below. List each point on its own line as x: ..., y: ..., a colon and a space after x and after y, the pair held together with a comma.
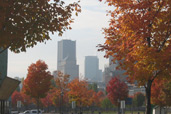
x: 92, y: 72
x: 67, y: 58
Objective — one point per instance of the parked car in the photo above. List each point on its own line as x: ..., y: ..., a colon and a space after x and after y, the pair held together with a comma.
x: 35, y: 111
x: 25, y: 112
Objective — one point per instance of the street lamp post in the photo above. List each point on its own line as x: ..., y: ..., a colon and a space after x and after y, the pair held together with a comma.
x: 62, y: 93
x: 118, y: 106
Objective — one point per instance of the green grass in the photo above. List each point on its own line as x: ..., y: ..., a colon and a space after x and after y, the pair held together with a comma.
x: 115, y: 112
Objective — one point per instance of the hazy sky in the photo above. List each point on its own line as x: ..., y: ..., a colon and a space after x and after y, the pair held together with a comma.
x: 86, y: 30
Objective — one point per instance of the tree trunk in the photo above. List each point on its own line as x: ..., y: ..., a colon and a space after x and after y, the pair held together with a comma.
x: 48, y: 108
x: 148, y: 97
x: 119, y: 108
x: 38, y: 105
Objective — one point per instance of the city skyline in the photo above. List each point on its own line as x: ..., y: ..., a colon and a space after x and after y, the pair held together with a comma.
x: 86, y: 30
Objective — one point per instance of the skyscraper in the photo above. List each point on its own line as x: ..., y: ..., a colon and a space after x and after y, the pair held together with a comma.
x: 92, y: 72
x: 67, y: 58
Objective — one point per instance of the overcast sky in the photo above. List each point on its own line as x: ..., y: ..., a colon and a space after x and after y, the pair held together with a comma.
x: 86, y: 30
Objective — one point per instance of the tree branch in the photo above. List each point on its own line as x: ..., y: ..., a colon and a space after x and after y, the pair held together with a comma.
x: 156, y: 74
x: 163, y: 43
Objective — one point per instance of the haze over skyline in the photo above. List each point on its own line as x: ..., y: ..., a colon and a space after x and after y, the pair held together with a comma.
x: 86, y: 31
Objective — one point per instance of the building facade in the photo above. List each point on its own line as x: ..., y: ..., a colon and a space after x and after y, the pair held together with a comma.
x: 92, y: 71
x: 111, y: 70
x: 3, y: 64
x: 66, y: 62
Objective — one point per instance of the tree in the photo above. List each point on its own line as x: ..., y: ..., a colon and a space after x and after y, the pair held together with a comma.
x: 25, y: 23
x: 38, y: 81
x: 97, y: 98
x: 138, y: 99
x: 16, y: 96
x: 80, y: 93
x: 117, y: 90
x: 161, y: 92
x: 93, y: 87
x: 47, y: 101
x: 106, y: 103
x: 139, y: 37
x: 27, y: 100
x: 59, y: 91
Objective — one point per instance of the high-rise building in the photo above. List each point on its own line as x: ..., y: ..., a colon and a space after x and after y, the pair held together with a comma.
x: 67, y: 58
x: 112, y: 71
x: 92, y: 72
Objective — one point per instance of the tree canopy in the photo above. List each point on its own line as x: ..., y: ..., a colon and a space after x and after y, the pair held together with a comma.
x: 16, y: 96
x: 139, y: 37
x: 25, y: 23
x: 80, y: 93
x: 117, y: 90
x: 161, y: 92
x: 38, y: 80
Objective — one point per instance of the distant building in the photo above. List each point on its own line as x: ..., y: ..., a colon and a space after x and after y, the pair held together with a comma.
x: 106, y: 74
x: 135, y: 89
x: 21, y: 82
x: 55, y: 74
x: 92, y: 72
x: 111, y: 70
x: 67, y: 58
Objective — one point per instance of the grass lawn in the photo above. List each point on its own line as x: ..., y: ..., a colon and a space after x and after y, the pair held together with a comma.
x: 114, y: 112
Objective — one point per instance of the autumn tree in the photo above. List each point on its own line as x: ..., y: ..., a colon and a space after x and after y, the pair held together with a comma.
x: 139, y: 37
x: 38, y: 81
x: 80, y: 93
x: 25, y: 23
x: 16, y: 96
x: 117, y: 90
x: 161, y: 93
x: 47, y: 101
x: 27, y: 100
x: 97, y: 98
x: 60, y: 89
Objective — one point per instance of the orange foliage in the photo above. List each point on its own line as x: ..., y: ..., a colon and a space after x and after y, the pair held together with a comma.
x: 26, y: 99
x: 139, y: 37
x: 59, y: 93
x: 47, y: 100
x: 37, y: 83
x: 161, y: 93
x: 79, y: 92
x: 16, y: 96
x: 97, y: 98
